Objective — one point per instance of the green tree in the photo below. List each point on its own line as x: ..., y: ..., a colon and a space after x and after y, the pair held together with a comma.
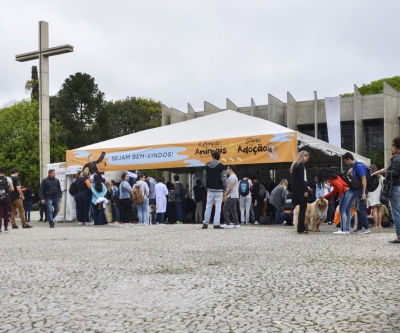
x: 32, y: 85
x: 134, y: 114
x: 19, y: 146
x: 376, y: 87
x: 80, y: 107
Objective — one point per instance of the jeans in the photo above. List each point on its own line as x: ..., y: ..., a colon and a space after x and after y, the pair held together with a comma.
x: 258, y: 208
x: 4, y: 208
x: 52, y: 208
x: 230, y: 209
x: 153, y: 213
x: 160, y: 218
x: 126, y: 209
x: 245, y: 205
x: 143, y: 211
x: 198, y: 216
x: 42, y: 209
x: 77, y: 206
x: 116, y: 216
x: 97, y: 215
x: 345, y: 203
x: 179, y: 211
x: 28, y: 208
x: 395, y: 206
x: 84, y: 209
x: 362, y: 213
x: 213, y: 197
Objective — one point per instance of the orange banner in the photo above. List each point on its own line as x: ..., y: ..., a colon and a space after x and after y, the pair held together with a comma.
x: 269, y: 148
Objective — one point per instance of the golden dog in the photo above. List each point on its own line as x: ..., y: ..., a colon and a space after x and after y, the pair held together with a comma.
x: 315, y: 214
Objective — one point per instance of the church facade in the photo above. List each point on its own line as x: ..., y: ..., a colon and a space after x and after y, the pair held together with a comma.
x: 368, y: 122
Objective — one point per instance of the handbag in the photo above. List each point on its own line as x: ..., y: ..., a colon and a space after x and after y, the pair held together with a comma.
x: 387, y: 185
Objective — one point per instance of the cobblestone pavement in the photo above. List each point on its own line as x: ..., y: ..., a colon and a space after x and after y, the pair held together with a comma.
x: 179, y: 278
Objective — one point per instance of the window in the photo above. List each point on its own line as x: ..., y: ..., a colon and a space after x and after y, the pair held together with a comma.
x: 347, y: 133
x: 310, y: 131
x: 373, y: 136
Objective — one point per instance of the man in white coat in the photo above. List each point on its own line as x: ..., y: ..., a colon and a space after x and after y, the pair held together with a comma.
x: 161, y: 199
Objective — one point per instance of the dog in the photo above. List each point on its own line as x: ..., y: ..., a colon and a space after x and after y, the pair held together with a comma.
x: 316, y: 213
x: 152, y: 208
x: 272, y: 154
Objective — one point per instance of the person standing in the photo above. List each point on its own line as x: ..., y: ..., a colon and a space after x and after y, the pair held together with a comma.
x: 256, y: 199
x: 359, y: 171
x: 152, y: 195
x: 374, y: 200
x: 99, y: 190
x: 6, y: 186
x: 245, y: 198
x: 76, y: 190
x: 16, y: 197
x: 198, y: 199
x: 278, y: 198
x: 161, y: 193
x: 299, y: 187
x: 232, y: 197
x: 50, y: 194
x: 215, y: 183
x: 28, y: 195
x: 115, y: 203
x: 143, y: 208
x: 392, y: 173
x: 84, y: 197
x: 125, y: 192
x: 180, y: 193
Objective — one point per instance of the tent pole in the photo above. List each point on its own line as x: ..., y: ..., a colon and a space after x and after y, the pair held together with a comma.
x: 341, y: 163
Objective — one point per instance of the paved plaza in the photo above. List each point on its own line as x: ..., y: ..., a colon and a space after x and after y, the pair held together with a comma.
x: 179, y: 278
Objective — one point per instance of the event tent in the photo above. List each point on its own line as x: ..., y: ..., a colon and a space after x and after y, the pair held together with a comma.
x: 186, y: 146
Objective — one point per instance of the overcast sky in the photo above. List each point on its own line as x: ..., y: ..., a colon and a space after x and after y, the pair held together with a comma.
x: 185, y: 51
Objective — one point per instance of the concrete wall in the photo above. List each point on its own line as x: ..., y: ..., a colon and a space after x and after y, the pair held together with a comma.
x: 358, y: 121
x: 291, y: 112
x: 276, y: 110
x: 391, y: 118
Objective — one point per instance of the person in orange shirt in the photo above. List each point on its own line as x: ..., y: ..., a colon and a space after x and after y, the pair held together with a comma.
x: 340, y: 187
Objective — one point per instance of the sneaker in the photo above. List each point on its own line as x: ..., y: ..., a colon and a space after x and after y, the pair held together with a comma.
x: 256, y: 223
x: 364, y: 231
x: 179, y: 222
x: 40, y: 220
x: 15, y: 227
x: 236, y: 226
x: 217, y: 227
x: 52, y: 225
x: 356, y: 231
x: 241, y: 222
x: 5, y: 230
x: 340, y: 232
x: 205, y: 226
x: 26, y: 226
x: 224, y: 225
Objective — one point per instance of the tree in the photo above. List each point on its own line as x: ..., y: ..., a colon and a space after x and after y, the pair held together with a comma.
x: 376, y: 87
x: 80, y: 107
x: 133, y: 115
x: 20, y: 140
x: 33, y: 84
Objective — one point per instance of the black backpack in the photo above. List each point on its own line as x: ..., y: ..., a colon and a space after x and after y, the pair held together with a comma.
x: 182, y: 192
x: 353, y: 182
x: 372, y: 181
x: 244, y: 187
x: 3, y: 188
x: 72, y: 188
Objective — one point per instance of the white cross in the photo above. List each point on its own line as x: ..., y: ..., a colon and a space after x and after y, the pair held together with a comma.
x: 43, y: 55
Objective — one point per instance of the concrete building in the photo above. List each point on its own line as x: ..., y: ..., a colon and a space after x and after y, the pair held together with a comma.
x: 368, y: 123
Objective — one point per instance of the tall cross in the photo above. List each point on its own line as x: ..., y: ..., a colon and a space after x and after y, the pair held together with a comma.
x: 44, y: 99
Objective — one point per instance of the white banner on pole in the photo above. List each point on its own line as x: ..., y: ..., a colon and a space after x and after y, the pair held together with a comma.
x: 332, y: 107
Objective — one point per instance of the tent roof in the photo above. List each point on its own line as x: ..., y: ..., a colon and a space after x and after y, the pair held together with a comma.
x: 221, y: 125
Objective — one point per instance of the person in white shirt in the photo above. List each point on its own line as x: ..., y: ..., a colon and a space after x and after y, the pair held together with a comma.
x: 232, y: 197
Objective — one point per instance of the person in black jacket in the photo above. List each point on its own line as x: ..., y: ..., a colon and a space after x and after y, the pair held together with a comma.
x: 214, y: 180
x: 299, y: 187
x: 28, y: 201
x: 50, y: 194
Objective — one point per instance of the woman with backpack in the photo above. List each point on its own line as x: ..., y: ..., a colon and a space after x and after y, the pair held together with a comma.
x: 143, y: 197
x: 28, y: 200
x: 6, y: 186
x: 99, y: 191
x: 125, y: 201
x: 340, y: 186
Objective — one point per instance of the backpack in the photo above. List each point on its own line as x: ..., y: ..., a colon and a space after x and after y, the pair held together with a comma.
x: 3, y: 188
x: 182, y: 193
x: 137, y: 195
x: 353, y: 183
x: 262, y: 191
x: 72, y: 189
x: 244, y: 187
x: 372, y: 181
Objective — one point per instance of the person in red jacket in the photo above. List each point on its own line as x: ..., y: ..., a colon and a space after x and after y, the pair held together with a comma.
x: 340, y: 187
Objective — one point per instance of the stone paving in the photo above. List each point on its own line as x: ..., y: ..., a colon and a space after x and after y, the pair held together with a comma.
x: 179, y: 278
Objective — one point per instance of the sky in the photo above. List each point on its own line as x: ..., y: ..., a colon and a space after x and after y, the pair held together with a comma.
x: 187, y: 51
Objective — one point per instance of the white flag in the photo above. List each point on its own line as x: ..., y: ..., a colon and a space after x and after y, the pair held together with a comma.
x: 332, y: 107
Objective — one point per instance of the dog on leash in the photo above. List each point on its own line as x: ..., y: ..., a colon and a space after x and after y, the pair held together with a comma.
x: 152, y: 208
x: 315, y: 214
